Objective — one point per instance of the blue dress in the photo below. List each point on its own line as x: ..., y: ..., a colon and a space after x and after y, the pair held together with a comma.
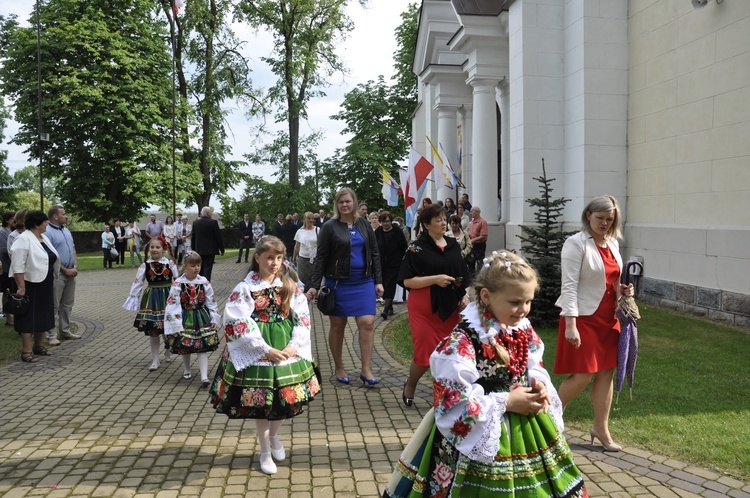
x: 354, y: 296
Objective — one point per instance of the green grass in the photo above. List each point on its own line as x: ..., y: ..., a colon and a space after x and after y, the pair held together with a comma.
x: 10, y: 344
x: 690, y: 396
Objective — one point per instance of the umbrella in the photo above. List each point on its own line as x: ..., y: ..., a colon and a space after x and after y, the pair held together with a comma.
x: 627, y: 350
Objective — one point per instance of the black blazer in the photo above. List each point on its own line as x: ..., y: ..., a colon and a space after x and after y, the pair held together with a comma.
x: 333, y: 258
x: 207, y: 238
x: 245, y: 229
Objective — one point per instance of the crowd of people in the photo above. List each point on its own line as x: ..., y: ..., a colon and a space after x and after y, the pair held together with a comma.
x: 467, y: 311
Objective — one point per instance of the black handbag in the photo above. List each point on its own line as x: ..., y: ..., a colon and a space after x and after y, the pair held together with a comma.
x: 326, y: 300
x: 17, y: 305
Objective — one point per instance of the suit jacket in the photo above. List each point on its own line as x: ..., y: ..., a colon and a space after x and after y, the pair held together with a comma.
x: 583, y: 280
x: 245, y: 229
x: 207, y: 238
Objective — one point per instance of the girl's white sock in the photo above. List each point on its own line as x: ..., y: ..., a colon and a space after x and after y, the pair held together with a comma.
x: 186, y: 363
x: 155, y: 343
x: 203, y: 365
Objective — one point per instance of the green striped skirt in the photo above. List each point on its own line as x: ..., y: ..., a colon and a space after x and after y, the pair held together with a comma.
x: 265, y: 390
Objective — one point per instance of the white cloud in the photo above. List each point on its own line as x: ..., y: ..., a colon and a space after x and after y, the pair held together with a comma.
x: 367, y: 51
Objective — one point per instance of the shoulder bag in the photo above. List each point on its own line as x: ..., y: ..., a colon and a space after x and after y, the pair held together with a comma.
x: 326, y: 299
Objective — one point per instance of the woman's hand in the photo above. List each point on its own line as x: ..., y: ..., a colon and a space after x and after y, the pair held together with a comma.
x: 276, y: 356
x: 444, y: 280
x: 289, y: 351
x: 572, y: 336
x: 627, y: 290
x: 311, y: 294
x: 379, y: 290
x: 524, y: 401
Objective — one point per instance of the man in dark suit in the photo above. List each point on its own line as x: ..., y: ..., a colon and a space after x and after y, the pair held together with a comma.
x: 207, y: 241
x: 245, y: 230
x: 277, y: 226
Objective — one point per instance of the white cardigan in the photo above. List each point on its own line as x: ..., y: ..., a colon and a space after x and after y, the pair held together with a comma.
x: 27, y: 256
x: 583, y: 280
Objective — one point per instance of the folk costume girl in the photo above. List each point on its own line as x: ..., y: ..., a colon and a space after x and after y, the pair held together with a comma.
x: 496, y: 428
x: 266, y: 371
x: 154, y: 279
x: 191, y: 318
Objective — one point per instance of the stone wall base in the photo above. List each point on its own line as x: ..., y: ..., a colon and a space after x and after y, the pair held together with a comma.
x: 722, y: 306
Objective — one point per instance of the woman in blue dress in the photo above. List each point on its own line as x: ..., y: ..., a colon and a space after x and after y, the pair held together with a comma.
x: 349, y: 259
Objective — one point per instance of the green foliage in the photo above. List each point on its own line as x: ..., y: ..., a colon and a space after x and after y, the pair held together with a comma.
x: 377, y: 141
x: 542, y: 245
x: 105, y: 101
x: 306, y: 33
x: 210, y: 70
x: 269, y: 199
x: 28, y: 200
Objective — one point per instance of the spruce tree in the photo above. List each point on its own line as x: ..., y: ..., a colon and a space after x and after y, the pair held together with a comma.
x: 542, y: 244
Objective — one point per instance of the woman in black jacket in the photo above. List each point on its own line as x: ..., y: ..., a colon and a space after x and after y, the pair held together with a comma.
x: 349, y: 260
x: 392, y: 245
x: 436, y: 276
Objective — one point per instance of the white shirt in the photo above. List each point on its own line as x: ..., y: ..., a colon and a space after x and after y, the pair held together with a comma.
x: 308, y: 242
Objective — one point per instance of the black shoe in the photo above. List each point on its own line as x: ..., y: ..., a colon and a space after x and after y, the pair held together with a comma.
x: 407, y: 401
x: 238, y: 261
x: 384, y: 315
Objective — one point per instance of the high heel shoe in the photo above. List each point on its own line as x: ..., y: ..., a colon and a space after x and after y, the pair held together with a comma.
x: 368, y: 382
x: 277, y: 449
x: 407, y: 401
x: 607, y: 445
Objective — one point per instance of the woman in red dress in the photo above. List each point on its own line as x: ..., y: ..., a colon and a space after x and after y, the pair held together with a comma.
x: 434, y: 273
x: 589, y: 332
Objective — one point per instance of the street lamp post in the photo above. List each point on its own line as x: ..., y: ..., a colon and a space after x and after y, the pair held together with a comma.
x: 41, y: 137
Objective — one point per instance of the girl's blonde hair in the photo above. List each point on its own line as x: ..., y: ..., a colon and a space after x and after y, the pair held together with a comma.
x: 190, y: 258
x: 498, y: 270
x: 604, y: 204
x: 287, y: 275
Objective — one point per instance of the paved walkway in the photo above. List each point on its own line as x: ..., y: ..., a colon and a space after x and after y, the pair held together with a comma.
x: 93, y: 421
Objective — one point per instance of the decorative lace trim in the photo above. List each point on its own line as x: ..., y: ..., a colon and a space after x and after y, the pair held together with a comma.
x: 132, y: 304
x: 488, y: 445
x: 471, y: 314
x: 256, y: 283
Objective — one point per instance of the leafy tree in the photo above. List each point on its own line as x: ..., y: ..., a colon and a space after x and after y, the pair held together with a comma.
x: 269, y: 199
x: 542, y: 244
x: 209, y: 71
x: 29, y: 200
x: 105, y: 96
x: 305, y: 33
x: 378, y: 116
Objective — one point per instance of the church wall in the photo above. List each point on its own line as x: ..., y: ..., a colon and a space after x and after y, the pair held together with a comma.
x: 689, y: 154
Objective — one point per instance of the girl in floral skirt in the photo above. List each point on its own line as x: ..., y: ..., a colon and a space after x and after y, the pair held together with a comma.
x: 266, y: 371
x: 154, y: 279
x: 496, y: 428
x: 191, y: 318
